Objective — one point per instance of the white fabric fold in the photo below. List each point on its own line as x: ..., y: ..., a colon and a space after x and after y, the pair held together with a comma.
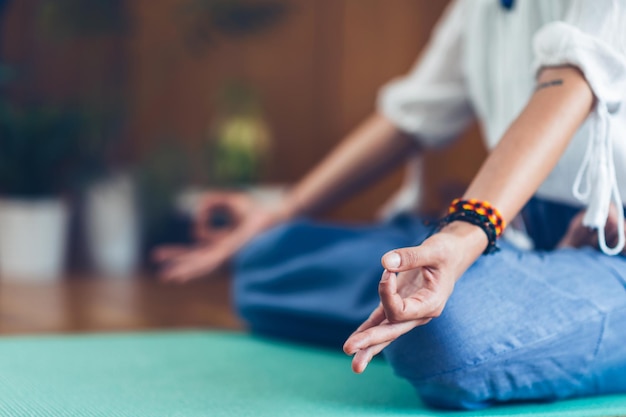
x: 596, y: 183
x: 431, y: 102
x: 604, y: 68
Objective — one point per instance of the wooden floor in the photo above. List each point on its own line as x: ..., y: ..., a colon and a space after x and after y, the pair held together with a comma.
x: 114, y: 304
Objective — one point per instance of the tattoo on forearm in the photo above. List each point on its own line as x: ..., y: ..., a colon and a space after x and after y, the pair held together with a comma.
x: 550, y: 83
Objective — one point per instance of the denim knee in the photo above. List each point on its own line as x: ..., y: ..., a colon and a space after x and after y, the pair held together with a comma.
x: 269, y: 246
x: 289, y: 283
x: 419, y: 357
x: 507, y: 334
x: 251, y: 265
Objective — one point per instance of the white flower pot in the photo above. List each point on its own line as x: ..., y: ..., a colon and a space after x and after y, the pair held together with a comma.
x: 33, y: 239
x: 112, y: 227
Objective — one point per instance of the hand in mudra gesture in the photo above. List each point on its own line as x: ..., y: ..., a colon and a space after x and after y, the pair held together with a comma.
x: 414, y: 288
x: 243, y: 219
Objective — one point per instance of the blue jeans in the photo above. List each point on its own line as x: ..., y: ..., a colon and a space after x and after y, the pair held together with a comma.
x: 539, y: 325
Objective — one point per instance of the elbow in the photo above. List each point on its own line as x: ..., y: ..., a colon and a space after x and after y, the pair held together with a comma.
x: 570, y: 78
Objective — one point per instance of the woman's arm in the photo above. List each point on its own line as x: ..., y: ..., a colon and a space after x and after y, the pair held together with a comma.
x: 527, y: 153
x: 367, y: 153
x: 533, y: 144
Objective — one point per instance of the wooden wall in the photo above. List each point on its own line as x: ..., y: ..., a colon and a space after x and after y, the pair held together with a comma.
x: 318, y: 72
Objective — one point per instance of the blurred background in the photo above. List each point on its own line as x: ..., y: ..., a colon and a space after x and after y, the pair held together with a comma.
x: 116, y: 114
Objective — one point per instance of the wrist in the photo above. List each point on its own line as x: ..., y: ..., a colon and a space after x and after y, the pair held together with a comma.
x: 472, y: 237
x: 288, y: 208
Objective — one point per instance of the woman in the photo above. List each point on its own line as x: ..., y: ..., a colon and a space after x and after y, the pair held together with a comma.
x: 547, y: 80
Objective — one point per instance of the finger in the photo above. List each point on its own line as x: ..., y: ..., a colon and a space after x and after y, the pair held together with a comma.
x: 166, y: 253
x: 611, y: 227
x: 420, y: 304
x: 404, y: 259
x: 228, y: 204
x: 363, y: 357
x: 391, y: 301
x: 577, y: 235
x: 197, y: 268
x: 377, y: 316
x: 182, y: 273
x: 212, y: 236
x: 375, y: 319
x: 175, y: 272
x: 205, y: 230
x: 612, y: 238
x: 594, y: 240
x: 194, y: 264
x: 201, y: 229
x: 204, y: 260
x: 385, y: 332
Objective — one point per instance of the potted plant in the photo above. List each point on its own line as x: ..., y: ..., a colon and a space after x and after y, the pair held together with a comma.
x: 109, y: 207
x: 108, y: 212
x: 237, y: 152
x: 38, y: 144
x: 239, y: 137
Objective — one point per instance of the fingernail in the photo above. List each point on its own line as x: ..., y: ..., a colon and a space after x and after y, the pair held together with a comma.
x: 393, y: 260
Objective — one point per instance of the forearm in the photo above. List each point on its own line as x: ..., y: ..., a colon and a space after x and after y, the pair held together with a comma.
x: 534, y: 143
x: 531, y: 147
x: 365, y: 154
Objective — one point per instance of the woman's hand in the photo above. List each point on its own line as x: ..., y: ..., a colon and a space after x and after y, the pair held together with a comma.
x: 244, y: 220
x: 415, y: 287
x: 579, y: 235
x: 218, y: 213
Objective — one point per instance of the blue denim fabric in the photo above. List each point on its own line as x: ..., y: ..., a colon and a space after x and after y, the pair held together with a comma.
x: 519, y: 326
x: 314, y: 282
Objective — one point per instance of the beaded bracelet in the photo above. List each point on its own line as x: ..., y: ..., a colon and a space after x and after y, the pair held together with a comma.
x: 481, y: 207
x: 478, y: 213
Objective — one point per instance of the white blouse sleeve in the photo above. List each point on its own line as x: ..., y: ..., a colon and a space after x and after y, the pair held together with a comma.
x: 432, y: 102
x: 592, y: 37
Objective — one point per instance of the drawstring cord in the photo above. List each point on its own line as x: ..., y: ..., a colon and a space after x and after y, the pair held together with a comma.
x: 597, y: 176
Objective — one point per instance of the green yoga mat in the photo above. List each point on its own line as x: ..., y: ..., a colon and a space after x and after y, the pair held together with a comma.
x: 215, y: 374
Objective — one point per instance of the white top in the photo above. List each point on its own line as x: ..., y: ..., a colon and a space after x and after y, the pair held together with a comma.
x: 482, y: 61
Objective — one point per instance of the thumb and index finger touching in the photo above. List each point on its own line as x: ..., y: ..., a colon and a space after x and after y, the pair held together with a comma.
x: 393, y: 307
x: 218, y: 213
x: 405, y: 259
